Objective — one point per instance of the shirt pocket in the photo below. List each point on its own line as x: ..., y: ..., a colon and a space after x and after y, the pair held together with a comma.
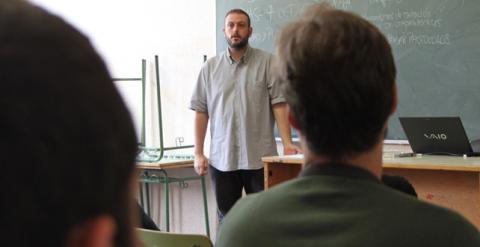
x: 259, y: 94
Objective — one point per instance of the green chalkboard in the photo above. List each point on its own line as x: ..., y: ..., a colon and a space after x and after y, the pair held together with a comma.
x: 436, y: 44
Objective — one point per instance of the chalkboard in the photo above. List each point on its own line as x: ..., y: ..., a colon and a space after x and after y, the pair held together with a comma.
x: 436, y: 44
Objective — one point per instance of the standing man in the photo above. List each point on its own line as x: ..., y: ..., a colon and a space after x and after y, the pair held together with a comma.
x: 340, y: 77
x: 237, y: 92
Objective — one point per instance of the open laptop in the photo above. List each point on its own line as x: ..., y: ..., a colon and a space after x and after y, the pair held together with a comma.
x: 437, y: 135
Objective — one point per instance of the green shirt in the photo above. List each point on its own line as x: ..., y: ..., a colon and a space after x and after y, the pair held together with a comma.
x: 339, y: 205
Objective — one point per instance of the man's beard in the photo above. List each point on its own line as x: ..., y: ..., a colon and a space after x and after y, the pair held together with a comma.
x: 240, y: 45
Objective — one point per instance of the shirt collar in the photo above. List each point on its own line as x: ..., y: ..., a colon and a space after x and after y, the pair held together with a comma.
x: 338, y: 169
x: 244, y: 58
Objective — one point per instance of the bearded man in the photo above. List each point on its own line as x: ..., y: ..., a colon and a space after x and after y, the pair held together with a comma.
x: 237, y: 92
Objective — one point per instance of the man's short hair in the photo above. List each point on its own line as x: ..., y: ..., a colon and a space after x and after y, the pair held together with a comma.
x: 339, y: 73
x: 67, y: 145
x: 238, y: 11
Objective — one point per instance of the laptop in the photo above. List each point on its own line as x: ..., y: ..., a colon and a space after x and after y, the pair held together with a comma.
x: 437, y: 135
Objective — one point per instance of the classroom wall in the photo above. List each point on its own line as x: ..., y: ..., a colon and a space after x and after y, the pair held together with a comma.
x: 180, y: 32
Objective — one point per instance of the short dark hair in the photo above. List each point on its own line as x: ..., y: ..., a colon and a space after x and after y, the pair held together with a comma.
x: 238, y: 11
x: 339, y: 73
x: 67, y: 145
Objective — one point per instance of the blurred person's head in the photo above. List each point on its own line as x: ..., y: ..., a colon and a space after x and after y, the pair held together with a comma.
x: 67, y: 144
x: 340, y: 81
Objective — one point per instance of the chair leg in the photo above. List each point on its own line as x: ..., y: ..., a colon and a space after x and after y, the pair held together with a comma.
x: 147, y: 197
x: 166, y: 183
x: 140, y: 194
x: 205, y: 205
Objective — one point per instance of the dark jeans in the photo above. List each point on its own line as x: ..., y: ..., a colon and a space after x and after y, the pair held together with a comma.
x: 228, y: 187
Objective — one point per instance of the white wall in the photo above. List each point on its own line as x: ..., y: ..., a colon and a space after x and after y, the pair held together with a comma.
x: 124, y: 32
x: 180, y: 32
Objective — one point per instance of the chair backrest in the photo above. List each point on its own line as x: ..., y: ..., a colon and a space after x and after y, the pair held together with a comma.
x: 153, y: 154
x: 151, y: 238
x: 141, y: 79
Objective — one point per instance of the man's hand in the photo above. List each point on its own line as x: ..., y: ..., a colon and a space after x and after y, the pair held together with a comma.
x: 201, y: 164
x: 291, y: 149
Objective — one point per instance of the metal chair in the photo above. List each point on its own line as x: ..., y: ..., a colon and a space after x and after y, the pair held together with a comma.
x: 155, y: 154
x: 141, y: 143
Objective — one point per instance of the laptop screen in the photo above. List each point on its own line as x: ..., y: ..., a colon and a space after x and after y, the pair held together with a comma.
x: 436, y: 135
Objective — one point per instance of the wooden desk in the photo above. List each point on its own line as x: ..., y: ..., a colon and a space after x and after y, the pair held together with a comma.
x: 165, y: 164
x: 161, y: 168
x: 452, y: 182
